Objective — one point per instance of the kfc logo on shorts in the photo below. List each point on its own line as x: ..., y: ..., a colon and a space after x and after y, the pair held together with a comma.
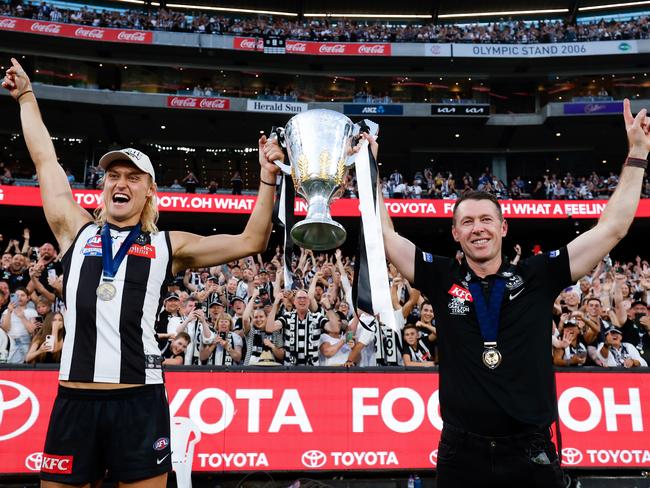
x: 56, y: 464
x: 161, y: 444
x: 461, y: 293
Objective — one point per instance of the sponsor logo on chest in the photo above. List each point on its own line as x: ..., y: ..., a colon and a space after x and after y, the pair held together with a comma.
x: 93, y: 247
x: 458, y: 304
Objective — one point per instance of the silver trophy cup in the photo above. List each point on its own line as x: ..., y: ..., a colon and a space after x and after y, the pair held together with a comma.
x: 318, y: 143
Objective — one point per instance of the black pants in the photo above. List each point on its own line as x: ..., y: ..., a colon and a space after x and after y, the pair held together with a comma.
x: 471, y: 460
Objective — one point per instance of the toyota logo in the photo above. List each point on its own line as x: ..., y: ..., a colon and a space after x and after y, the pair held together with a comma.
x: 314, y: 459
x: 433, y: 457
x: 33, y: 461
x: 12, y: 420
x: 571, y: 456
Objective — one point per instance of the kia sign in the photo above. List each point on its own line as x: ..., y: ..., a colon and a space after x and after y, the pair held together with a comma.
x: 76, y: 31
x: 593, y: 108
x: 318, y: 48
x: 379, y: 420
x: 445, y: 110
x: 29, y: 196
x: 275, y: 106
x: 200, y: 103
x: 373, y: 109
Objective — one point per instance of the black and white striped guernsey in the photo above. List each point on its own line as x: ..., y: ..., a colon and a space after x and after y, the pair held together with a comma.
x: 113, y: 341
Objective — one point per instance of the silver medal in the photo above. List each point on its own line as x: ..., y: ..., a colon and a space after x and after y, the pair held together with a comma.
x: 106, y: 291
x: 491, y: 357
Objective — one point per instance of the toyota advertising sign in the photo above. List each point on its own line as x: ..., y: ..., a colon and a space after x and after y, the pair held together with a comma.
x: 379, y: 420
x: 26, y: 196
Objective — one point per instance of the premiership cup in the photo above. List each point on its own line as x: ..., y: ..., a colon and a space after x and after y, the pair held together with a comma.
x: 318, y: 143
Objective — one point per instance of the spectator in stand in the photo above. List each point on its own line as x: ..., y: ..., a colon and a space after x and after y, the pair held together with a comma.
x: 616, y: 353
x: 174, y: 352
x: 18, y: 322
x: 213, y: 187
x: 574, y: 349
x: 254, y: 322
x: 335, y: 344
x: 169, y: 320
x: 236, y: 183
x: 226, y: 350
x: 191, y: 182
x: 415, y: 352
x: 17, y: 275
x: 47, y: 341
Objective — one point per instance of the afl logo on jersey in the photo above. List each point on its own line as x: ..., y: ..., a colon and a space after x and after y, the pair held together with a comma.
x: 161, y: 444
x: 93, y: 246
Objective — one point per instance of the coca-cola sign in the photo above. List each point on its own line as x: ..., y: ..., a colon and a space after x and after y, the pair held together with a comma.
x: 203, y: 103
x: 132, y: 36
x: 7, y: 23
x: 46, y: 28
x: 332, y: 49
x: 76, y: 31
x: 318, y: 48
x: 89, y: 33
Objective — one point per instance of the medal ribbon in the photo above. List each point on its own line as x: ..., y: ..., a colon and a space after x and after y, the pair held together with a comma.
x: 488, y: 314
x: 112, y: 264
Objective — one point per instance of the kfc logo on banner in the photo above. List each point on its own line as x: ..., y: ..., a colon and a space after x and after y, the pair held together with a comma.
x: 46, y: 28
x: 19, y: 409
x: 34, y: 461
x: 7, y: 24
x: 56, y: 464
x: 127, y: 36
x: 89, y: 33
x: 460, y: 293
x: 313, y: 459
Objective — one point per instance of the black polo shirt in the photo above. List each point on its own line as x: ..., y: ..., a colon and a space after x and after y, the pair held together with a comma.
x: 519, y: 394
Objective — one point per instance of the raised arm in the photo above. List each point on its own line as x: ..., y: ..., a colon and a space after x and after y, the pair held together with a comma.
x: 64, y: 216
x: 194, y: 251
x: 587, y: 249
x: 399, y: 250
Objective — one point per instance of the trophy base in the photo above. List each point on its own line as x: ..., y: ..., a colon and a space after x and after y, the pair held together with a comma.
x: 318, y: 235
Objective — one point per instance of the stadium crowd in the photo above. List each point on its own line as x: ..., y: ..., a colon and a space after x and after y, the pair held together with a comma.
x: 339, y: 30
x: 241, y: 314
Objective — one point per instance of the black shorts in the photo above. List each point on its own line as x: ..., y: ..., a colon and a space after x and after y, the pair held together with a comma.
x: 123, y: 432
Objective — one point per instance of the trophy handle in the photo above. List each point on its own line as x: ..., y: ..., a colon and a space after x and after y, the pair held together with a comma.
x: 277, y: 133
x: 364, y: 125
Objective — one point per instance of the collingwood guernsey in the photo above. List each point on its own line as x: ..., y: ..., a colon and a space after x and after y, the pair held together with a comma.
x: 113, y: 341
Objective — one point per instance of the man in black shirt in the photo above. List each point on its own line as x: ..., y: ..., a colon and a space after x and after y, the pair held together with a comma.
x: 493, y: 320
x: 16, y: 275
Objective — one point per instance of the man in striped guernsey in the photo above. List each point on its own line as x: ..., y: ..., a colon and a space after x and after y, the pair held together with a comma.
x: 111, y: 410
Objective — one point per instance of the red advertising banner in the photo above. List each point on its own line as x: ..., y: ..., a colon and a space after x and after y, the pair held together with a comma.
x: 29, y: 196
x: 75, y: 31
x: 319, y: 48
x: 201, y: 103
x: 233, y: 421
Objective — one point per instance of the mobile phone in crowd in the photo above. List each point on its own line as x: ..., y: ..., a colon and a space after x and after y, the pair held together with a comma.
x: 223, y: 335
x: 49, y: 342
x: 349, y: 336
x: 637, y: 318
x: 51, y: 273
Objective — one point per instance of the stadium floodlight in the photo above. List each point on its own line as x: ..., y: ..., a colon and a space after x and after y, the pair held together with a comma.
x: 370, y: 16
x: 612, y: 5
x: 218, y: 9
x: 505, y: 12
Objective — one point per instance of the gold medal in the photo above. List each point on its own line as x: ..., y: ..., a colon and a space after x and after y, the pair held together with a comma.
x: 491, y: 357
x: 106, y: 291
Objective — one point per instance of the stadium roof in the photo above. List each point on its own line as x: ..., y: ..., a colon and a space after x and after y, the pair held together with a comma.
x: 441, y: 10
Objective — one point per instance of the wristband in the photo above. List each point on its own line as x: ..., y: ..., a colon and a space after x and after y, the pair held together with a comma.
x: 636, y: 163
x: 30, y: 91
x: 273, y: 184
